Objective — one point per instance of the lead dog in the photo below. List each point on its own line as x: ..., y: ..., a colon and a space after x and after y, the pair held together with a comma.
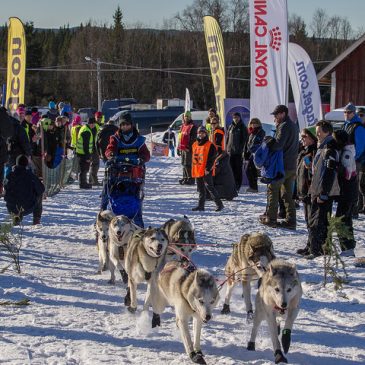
x: 279, y: 294
x: 193, y: 293
x: 121, y: 229
x: 145, y: 253
x: 181, y: 234
x: 102, y: 223
x: 247, y: 262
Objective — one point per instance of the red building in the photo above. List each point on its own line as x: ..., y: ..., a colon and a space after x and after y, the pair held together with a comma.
x: 346, y: 75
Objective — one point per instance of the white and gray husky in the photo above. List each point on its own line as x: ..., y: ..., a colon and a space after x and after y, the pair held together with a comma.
x: 181, y: 234
x: 121, y: 229
x: 279, y: 293
x: 193, y: 293
x: 247, y: 262
x: 145, y: 253
x: 102, y: 223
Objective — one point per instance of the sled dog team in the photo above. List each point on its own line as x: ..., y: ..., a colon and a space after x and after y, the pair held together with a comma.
x: 160, y: 257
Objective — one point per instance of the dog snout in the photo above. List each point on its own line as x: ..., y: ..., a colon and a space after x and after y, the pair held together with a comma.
x: 284, y: 304
x: 208, y: 317
x: 159, y: 247
x: 103, y: 237
x: 119, y: 233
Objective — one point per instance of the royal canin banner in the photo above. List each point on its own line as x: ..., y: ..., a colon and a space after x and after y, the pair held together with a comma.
x: 305, y: 87
x: 214, y: 42
x: 16, y: 64
x: 269, y: 56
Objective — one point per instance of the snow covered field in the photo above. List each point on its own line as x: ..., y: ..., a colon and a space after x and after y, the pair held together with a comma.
x: 75, y: 317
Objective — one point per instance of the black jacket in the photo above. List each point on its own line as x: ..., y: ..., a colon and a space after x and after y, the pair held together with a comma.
x: 22, y: 189
x: 287, y: 139
x: 103, y: 137
x: 253, y: 143
x: 304, y: 172
x: 236, y: 138
x: 18, y: 143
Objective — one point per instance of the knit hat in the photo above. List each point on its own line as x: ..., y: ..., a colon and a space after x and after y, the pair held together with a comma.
x: 98, y: 115
x: 350, y: 107
x: 360, y: 110
x: 202, y: 129
x: 22, y: 160
x: 35, y: 118
x: 187, y: 114
x: 126, y: 118
x: 20, y: 110
x: 76, y: 120
x: 52, y: 105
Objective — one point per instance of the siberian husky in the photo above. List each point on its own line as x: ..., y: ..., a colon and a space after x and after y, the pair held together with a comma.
x: 247, y: 262
x: 279, y: 293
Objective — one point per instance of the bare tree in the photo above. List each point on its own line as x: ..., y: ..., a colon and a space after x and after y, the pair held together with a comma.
x: 239, y: 16
x: 297, y: 28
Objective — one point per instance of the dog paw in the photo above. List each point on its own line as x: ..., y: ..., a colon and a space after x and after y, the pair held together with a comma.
x: 147, y: 275
x: 127, y: 299
x: 225, y: 309
x: 124, y: 276
x: 156, y: 320
x: 132, y: 310
x: 249, y: 316
x: 197, y: 357
x: 280, y: 358
x: 251, y: 346
x: 285, y: 340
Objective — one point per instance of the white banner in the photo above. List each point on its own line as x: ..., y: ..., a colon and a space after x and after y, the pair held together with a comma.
x: 187, y: 100
x: 269, y: 56
x: 305, y: 87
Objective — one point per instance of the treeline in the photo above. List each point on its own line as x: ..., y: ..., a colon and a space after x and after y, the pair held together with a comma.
x: 132, y: 59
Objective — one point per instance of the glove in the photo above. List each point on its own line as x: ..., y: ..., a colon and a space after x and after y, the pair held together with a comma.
x: 331, y: 164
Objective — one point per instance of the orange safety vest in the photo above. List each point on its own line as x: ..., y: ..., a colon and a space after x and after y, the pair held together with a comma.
x: 218, y: 131
x: 199, y: 160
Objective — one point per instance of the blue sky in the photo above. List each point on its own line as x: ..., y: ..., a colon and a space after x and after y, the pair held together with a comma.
x: 53, y: 14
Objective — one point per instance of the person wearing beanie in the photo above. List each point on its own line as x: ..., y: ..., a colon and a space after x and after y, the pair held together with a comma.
x: 204, y: 154
x: 20, y: 113
x: 188, y: 133
x: 84, y: 149
x: 23, y: 192
x: 52, y: 112
x: 127, y: 145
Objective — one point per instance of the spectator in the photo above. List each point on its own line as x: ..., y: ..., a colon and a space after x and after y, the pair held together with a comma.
x: 99, y: 117
x: 347, y: 200
x: 95, y: 158
x: 217, y: 135
x: 23, y: 192
x: 188, y: 137
x: 204, y: 154
x: 236, y: 139
x: 84, y: 149
x: 255, y: 139
x: 285, y: 139
x: 304, y: 176
x: 170, y: 140
x: 52, y: 112
x: 52, y: 141
x: 103, y: 138
x: 212, y: 113
x: 323, y: 189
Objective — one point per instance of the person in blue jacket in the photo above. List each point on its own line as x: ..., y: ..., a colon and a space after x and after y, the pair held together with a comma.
x: 356, y: 131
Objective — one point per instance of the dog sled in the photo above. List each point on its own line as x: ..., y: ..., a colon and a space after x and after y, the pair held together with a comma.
x: 124, y: 187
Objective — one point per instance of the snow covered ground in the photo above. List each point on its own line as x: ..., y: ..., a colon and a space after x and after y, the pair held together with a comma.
x: 75, y: 317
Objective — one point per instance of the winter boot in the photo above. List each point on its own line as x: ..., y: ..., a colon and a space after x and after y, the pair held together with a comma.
x: 36, y: 221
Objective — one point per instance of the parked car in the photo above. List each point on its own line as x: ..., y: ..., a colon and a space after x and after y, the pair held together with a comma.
x: 86, y: 113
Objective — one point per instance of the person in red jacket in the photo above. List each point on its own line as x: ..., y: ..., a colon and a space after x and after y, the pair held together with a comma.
x: 204, y: 154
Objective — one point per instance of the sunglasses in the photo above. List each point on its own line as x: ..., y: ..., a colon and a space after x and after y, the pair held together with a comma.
x: 348, y: 112
x: 304, y: 136
x: 213, y: 123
